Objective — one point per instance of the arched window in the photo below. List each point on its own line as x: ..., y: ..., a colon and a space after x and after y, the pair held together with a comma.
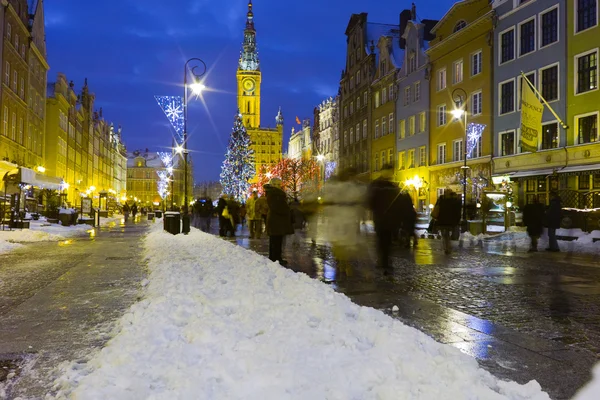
x: 459, y: 25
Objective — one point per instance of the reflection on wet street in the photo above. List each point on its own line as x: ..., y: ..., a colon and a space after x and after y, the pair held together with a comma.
x: 522, y: 316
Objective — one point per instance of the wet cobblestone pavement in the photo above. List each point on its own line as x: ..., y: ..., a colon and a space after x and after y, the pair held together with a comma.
x: 522, y: 315
x: 59, y: 300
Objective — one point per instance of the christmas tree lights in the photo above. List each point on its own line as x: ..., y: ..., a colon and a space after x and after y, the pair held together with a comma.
x: 238, y: 166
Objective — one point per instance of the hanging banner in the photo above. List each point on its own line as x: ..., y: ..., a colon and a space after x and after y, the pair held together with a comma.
x: 172, y: 106
x: 531, y: 118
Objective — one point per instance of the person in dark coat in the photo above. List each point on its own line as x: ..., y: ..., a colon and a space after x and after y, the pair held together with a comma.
x: 384, y: 200
x: 553, y: 218
x: 408, y: 218
x: 447, y: 216
x: 204, y: 210
x: 224, y: 221
x: 279, y: 219
x: 234, y: 211
x: 533, y: 219
x: 134, y: 210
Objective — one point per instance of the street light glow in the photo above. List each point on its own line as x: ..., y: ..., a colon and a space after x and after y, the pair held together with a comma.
x: 41, y: 169
x: 197, y: 88
x: 457, y: 112
x: 320, y: 158
x: 179, y: 149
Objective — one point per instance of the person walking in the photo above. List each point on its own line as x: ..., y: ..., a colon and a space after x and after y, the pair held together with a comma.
x: 204, y: 210
x: 447, y: 213
x: 279, y: 219
x: 254, y: 218
x: 134, y: 210
x: 533, y: 219
x: 126, y: 211
x: 223, y: 213
x: 261, y: 208
x: 553, y: 217
x: 385, y: 201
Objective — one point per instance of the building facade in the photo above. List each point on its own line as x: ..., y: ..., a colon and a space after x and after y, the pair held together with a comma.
x: 83, y: 149
x: 23, y: 93
x: 389, y: 59
x: 529, y: 37
x: 300, y: 143
x: 580, y: 178
x: 266, y: 142
x: 461, y: 64
x: 327, y: 141
x: 412, y: 109
x: 142, y: 178
x: 355, y: 93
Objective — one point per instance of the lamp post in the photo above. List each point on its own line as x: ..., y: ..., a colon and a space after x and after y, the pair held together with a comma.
x: 197, y: 88
x: 459, y: 96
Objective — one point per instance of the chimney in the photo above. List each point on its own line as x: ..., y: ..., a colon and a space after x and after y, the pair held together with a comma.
x: 405, y: 16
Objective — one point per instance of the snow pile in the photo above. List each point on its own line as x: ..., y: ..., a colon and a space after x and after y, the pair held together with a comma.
x: 41, y: 231
x: 221, y: 322
x: 591, y: 391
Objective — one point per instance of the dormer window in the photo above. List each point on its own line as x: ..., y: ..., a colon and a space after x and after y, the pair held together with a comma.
x: 459, y: 25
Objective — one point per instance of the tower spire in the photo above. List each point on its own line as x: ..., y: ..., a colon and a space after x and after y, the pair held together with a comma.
x: 249, y: 54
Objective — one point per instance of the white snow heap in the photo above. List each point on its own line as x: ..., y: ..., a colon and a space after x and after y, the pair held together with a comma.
x: 221, y: 322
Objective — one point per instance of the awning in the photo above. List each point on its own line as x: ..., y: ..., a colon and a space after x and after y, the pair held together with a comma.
x: 537, y: 172
x: 580, y: 170
x: 26, y: 176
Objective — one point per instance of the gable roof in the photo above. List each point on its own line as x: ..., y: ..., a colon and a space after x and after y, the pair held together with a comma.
x: 451, y: 11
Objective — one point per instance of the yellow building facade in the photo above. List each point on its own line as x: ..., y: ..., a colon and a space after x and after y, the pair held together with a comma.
x: 383, y: 110
x: 582, y: 171
x: 83, y: 149
x: 266, y: 142
x: 24, y: 69
x: 461, y: 65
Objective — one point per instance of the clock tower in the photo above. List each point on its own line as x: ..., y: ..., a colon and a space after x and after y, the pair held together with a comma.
x: 249, y: 76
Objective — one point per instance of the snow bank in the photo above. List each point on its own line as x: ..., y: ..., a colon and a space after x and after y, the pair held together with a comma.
x: 41, y: 231
x: 591, y: 391
x: 221, y: 322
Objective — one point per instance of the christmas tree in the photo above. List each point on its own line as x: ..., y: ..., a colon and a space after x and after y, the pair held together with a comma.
x: 238, y: 166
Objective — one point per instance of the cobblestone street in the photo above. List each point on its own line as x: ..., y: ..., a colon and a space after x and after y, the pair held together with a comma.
x: 59, y: 300
x: 523, y: 316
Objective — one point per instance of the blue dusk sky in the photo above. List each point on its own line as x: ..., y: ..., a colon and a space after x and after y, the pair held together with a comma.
x: 132, y: 50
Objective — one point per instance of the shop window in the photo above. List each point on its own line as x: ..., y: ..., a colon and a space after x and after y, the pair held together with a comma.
x: 584, y: 182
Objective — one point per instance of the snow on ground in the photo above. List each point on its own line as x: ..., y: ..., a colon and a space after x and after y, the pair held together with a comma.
x: 41, y: 231
x: 220, y: 322
x: 591, y: 391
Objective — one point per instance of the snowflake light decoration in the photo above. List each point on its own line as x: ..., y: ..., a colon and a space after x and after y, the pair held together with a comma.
x: 172, y: 106
x: 164, y: 176
x: 474, y: 132
x: 330, y: 169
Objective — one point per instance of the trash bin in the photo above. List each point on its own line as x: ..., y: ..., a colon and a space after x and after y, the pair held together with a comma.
x: 158, y: 213
x: 65, y: 219
x: 150, y: 216
x: 475, y: 227
x: 172, y: 222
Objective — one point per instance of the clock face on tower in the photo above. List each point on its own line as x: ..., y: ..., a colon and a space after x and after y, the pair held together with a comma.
x: 248, y: 85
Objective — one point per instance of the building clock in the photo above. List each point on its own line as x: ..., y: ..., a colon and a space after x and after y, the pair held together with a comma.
x: 248, y: 85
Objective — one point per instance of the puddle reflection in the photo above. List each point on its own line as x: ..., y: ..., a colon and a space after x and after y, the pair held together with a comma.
x: 65, y: 242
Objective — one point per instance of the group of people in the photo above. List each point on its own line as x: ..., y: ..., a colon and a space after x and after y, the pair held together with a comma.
x: 535, y: 216
x: 127, y: 209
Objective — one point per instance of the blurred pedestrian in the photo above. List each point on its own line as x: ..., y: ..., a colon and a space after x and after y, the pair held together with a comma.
x: 447, y: 213
x: 134, y: 210
x: 234, y: 214
x: 344, y: 200
x: 553, y: 218
x: 279, y: 219
x: 224, y: 217
x: 533, y: 219
x: 126, y: 211
x: 408, y: 218
x: 203, y: 209
x: 261, y: 208
x: 243, y: 213
x: 254, y: 218
x: 385, y: 201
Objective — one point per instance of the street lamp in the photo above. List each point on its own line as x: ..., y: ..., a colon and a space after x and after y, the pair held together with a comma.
x: 197, y: 88
x: 459, y: 96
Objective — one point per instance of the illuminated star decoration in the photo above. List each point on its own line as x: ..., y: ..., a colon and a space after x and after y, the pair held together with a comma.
x: 164, y: 176
x: 172, y: 106
x: 474, y: 132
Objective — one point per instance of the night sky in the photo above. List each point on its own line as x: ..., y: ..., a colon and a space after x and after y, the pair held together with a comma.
x: 131, y: 50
